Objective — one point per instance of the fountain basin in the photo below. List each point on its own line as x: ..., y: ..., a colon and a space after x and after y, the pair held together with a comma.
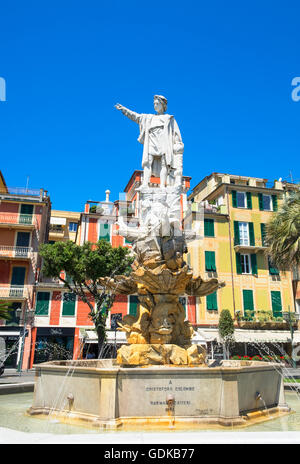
x: 105, y: 395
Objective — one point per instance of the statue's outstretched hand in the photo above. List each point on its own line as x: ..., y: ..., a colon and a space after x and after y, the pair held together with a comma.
x: 119, y: 107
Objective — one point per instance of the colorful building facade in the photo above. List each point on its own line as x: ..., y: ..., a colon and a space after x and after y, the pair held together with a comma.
x: 24, y: 221
x: 230, y: 214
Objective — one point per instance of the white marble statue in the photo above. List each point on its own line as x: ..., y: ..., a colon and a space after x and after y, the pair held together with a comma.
x: 163, y: 147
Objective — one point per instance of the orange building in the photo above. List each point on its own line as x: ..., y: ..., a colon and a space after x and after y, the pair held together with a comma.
x: 24, y: 222
x: 63, y: 320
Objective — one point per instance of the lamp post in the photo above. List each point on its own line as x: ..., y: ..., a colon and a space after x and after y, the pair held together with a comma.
x: 19, y: 314
x: 290, y: 318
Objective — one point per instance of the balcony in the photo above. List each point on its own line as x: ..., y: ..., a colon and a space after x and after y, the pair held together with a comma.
x: 242, y: 248
x: 17, y: 192
x: 24, y: 221
x: 15, y: 252
x: 15, y: 292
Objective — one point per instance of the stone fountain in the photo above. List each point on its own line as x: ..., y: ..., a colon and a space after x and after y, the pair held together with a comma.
x: 159, y: 378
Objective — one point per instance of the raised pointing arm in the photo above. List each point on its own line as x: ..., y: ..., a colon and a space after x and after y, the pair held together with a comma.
x: 130, y: 114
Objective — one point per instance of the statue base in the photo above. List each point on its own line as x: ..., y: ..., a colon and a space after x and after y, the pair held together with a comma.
x: 157, y: 354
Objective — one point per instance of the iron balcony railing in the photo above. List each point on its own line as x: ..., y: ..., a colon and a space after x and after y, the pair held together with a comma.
x: 15, y: 251
x: 16, y: 218
x: 15, y: 292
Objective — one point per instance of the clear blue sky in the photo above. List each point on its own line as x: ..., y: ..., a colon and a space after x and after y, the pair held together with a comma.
x: 225, y: 66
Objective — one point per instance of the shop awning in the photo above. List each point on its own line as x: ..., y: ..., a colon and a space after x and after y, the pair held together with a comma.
x: 90, y: 336
x: 248, y: 336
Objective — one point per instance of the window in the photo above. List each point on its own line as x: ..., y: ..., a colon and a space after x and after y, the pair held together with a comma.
x: 104, y: 232
x: 272, y: 269
x: 115, y: 318
x: 209, y: 230
x: 276, y: 304
x: 73, y: 226
x: 69, y: 300
x: 133, y: 304
x: 42, y: 303
x: 211, y: 302
x: 248, y: 302
x: 241, y: 199
x: 244, y: 233
x: 267, y: 202
x: 246, y: 264
x: 263, y: 234
x: 210, y: 261
x: 26, y: 214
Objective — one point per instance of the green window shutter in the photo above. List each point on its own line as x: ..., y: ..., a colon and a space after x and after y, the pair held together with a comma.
x: 260, y: 202
x: 104, y: 232
x: 211, y: 302
x: 69, y: 300
x: 251, y: 234
x: 26, y: 212
x: 18, y: 275
x: 276, y: 304
x: 236, y: 233
x: 210, y: 261
x: 249, y: 200
x: 133, y: 304
x: 274, y: 202
x: 253, y: 264
x: 182, y: 301
x: 238, y: 263
x: 272, y: 269
x: 234, y: 200
x: 209, y: 230
x: 42, y: 304
x: 248, y: 302
x: 263, y: 234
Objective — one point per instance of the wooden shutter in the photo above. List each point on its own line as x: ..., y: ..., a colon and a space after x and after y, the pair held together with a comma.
x: 69, y: 301
x: 18, y: 275
x: 272, y: 269
x: 211, y: 301
x: 276, y: 304
x: 210, y: 261
x: 133, y: 303
x: 209, y: 230
x: 104, y: 232
x: 238, y: 263
x: 26, y: 214
x: 253, y: 264
x: 236, y: 233
x: 249, y: 200
x: 263, y: 234
x: 248, y: 302
x: 234, y: 199
x: 260, y: 202
x: 42, y: 303
x: 274, y: 202
x: 251, y: 234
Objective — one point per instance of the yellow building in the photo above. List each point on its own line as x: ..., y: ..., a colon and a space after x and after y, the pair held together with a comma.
x: 229, y: 213
x: 63, y: 226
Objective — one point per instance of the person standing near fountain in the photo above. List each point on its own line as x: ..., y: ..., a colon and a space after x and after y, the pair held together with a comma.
x: 163, y: 146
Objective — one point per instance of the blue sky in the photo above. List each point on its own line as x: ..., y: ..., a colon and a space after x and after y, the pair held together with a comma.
x: 226, y: 68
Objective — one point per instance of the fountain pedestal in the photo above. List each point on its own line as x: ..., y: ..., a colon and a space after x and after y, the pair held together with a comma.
x: 109, y: 396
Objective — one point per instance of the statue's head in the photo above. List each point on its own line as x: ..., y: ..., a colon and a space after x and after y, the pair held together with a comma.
x: 160, y: 104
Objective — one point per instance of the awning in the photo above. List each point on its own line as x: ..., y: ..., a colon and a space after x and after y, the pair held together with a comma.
x: 90, y: 336
x: 57, y: 220
x: 248, y: 336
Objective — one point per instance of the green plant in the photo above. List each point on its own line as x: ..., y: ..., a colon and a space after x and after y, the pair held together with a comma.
x: 226, y: 330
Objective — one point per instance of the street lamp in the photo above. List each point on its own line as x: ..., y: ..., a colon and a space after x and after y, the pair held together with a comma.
x: 290, y: 318
x: 19, y: 314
